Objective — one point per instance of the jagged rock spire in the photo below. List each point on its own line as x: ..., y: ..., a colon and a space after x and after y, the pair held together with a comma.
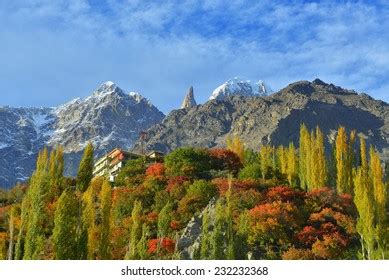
x: 189, y: 100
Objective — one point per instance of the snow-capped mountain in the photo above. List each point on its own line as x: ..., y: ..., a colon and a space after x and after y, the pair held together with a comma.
x: 108, y: 118
x: 241, y: 87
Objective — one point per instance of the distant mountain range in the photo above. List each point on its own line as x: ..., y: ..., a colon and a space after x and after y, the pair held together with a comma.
x: 110, y: 118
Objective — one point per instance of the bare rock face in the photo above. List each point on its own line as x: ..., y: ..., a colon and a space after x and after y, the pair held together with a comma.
x: 275, y: 119
x: 108, y: 118
x: 189, y: 100
x: 190, y: 241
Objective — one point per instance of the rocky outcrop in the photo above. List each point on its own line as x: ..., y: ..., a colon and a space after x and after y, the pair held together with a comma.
x: 275, y: 119
x: 189, y: 100
x: 190, y: 241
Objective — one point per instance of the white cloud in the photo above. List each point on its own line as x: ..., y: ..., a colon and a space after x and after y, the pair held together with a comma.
x: 56, y: 50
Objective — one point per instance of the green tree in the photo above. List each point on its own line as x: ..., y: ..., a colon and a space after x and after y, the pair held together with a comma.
x: 218, y: 241
x: 36, y: 231
x: 188, y: 162
x: 205, y: 246
x: 164, y: 219
x: 56, y: 169
x: 65, y: 227
x: 143, y: 243
x: 106, y: 204
x: 251, y: 171
x: 135, y: 232
x: 85, y: 170
x: 241, y: 244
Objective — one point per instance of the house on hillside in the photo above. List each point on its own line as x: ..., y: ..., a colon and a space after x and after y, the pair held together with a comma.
x: 110, y: 164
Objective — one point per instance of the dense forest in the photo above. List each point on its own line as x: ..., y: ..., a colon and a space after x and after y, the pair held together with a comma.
x: 296, y: 202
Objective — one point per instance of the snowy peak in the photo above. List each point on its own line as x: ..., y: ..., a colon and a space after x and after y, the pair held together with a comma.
x: 107, y: 88
x: 240, y: 87
x: 189, y: 100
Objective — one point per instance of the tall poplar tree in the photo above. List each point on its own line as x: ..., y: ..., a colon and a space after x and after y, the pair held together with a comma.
x: 304, y: 149
x: 135, y: 231
x: 380, y: 202
x: 237, y: 146
x: 205, y: 245
x: 344, y: 160
x: 105, y: 230
x: 36, y: 231
x: 218, y: 241
x: 292, y: 165
x: 85, y: 170
x: 364, y: 202
x: 266, y: 154
x: 65, y: 227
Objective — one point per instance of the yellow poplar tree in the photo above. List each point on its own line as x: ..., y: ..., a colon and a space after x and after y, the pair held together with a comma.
x: 380, y: 200
x: 237, y: 146
x: 266, y: 160
x: 303, y: 159
x: 292, y: 164
x: 319, y: 163
x: 363, y: 200
x: 282, y: 157
x: 344, y: 150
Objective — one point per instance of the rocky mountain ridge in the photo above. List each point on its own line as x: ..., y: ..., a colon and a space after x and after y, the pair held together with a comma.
x: 275, y: 119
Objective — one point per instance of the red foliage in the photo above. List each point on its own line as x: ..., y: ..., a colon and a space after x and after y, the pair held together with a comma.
x: 156, y: 170
x: 327, y: 198
x: 224, y: 159
x: 237, y: 185
x: 173, y: 182
x: 175, y: 225
x: 152, y: 217
x: 284, y: 194
x: 167, y: 245
x: 328, y: 228
x: 331, y: 247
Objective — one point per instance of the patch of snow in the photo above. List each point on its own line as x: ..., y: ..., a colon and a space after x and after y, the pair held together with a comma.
x: 3, y: 145
x: 241, y: 87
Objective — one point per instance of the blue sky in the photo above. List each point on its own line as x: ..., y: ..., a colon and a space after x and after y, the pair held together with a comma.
x: 52, y: 51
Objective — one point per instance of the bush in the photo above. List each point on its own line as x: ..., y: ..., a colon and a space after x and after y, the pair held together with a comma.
x: 188, y: 162
x: 203, y: 189
x: 132, y: 173
x: 251, y: 171
x: 224, y: 159
x: 156, y: 170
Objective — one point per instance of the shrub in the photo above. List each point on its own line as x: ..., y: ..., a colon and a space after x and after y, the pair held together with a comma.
x: 251, y: 171
x: 224, y: 159
x: 188, y: 162
x: 156, y: 170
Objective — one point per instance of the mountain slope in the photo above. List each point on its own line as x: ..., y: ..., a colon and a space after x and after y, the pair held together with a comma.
x: 274, y: 119
x: 108, y: 118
